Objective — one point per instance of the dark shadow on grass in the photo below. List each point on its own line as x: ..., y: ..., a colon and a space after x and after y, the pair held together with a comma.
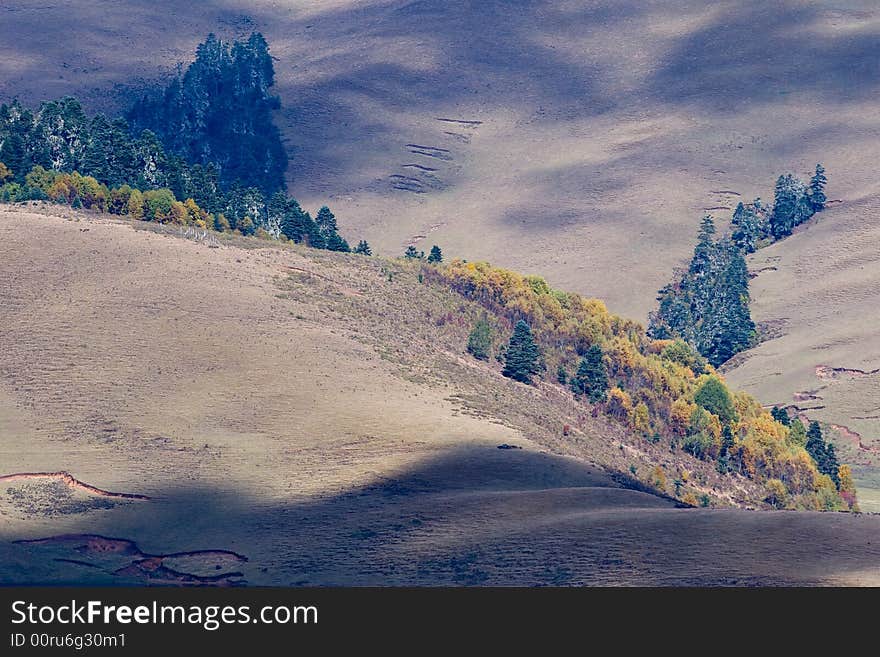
x: 471, y: 517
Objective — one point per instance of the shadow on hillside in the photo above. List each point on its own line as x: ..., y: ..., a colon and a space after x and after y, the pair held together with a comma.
x: 756, y: 52
x: 477, y: 516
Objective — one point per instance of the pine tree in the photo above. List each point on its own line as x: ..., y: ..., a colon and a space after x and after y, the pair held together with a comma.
x: 363, y: 248
x: 436, y: 255
x: 817, y: 189
x: 521, y: 358
x: 832, y: 465
x: 561, y: 374
x: 816, y: 445
x: 791, y: 206
x: 591, y: 378
x: 705, y: 245
x: 335, y: 242
x: 749, y: 226
x: 326, y: 221
x: 780, y: 415
x: 480, y: 340
x: 708, y: 305
x: 220, y: 111
x: 412, y: 253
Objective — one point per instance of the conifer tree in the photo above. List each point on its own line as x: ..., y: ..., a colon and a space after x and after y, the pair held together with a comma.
x: 705, y: 245
x: 591, y: 378
x: 363, y: 248
x: 412, y: 253
x: 817, y: 189
x: 749, y: 226
x: 832, y: 465
x: 791, y: 206
x: 561, y: 374
x: 436, y: 255
x: 521, y: 358
x: 816, y: 444
x: 780, y: 415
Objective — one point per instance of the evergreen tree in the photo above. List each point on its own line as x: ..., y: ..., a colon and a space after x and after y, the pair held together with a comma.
x: 479, y: 343
x: 294, y: 224
x: 816, y: 445
x: 412, y: 253
x: 561, y: 374
x: 363, y: 248
x: 436, y: 255
x: 521, y: 358
x: 591, y: 378
x: 832, y: 465
x: 791, y: 206
x: 326, y: 221
x: 781, y: 415
x: 705, y: 246
x: 64, y: 126
x: 749, y: 226
x: 335, y: 242
x: 817, y: 189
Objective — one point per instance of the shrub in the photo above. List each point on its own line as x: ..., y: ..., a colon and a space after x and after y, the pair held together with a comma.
x: 480, y: 340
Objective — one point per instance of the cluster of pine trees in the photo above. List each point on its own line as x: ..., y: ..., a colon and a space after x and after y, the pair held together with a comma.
x: 220, y: 166
x: 219, y: 112
x: 813, y: 440
x: 435, y: 256
x: 794, y: 203
x: 708, y: 304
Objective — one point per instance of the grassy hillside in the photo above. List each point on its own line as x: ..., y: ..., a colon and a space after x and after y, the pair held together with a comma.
x: 816, y: 296
x: 573, y: 138
x: 296, y: 416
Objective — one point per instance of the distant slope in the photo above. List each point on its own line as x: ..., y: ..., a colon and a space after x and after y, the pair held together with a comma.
x: 817, y: 295
x: 294, y: 417
x: 570, y: 138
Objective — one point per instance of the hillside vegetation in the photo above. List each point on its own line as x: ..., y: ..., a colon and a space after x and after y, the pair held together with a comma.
x: 283, y: 405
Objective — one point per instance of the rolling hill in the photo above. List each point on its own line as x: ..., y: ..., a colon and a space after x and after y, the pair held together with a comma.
x: 235, y: 411
x: 580, y: 141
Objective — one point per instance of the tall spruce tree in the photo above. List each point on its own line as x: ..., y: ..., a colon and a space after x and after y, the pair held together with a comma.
x: 436, y: 255
x: 816, y: 444
x: 817, y: 189
x: 591, y: 377
x: 522, y: 357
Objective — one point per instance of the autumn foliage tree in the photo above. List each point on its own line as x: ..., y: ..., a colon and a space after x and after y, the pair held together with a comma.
x: 661, y: 387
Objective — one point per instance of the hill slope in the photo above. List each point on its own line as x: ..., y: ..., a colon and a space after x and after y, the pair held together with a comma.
x: 571, y: 138
x: 817, y: 295
x: 295, y: 417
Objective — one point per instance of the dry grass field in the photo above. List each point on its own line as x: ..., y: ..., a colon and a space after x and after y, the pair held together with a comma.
x: 268, y: 415
x: 579, y: 140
